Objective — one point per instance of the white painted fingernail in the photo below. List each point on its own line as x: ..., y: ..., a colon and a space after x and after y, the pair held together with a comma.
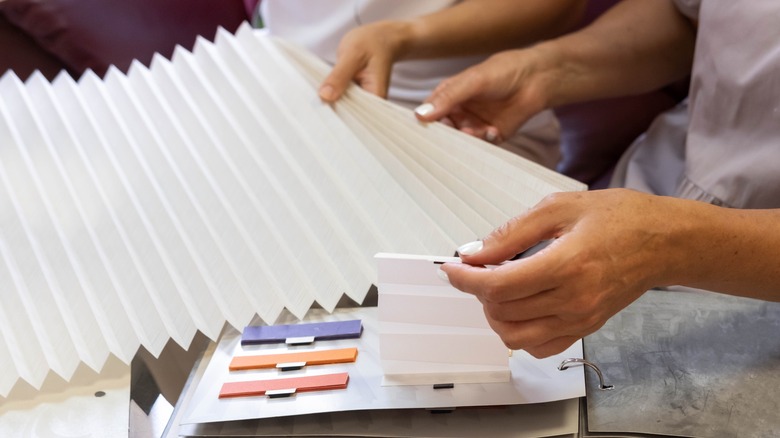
x: 470, y: 248
x: 491, y: 135
x: 443, y: 275
x: 424, y: 109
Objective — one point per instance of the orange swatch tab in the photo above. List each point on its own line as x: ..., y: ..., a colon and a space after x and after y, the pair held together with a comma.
x: 319, y: 357
x: 299, y: 384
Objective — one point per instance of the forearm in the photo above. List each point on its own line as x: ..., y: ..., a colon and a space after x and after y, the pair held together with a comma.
x: 727, y: 250
x: 485, y: 26
x: 637, y: 46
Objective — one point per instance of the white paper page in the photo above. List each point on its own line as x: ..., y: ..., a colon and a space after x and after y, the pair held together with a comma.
x: 11, y: 372
x: 481, y: 192
x: 363, y: 177
x: 114, y: 218
x: 154, y: 228
x: 367, y: 184
x: 325, y: 281
x: 70, y: 194
x: 74, y: 287
x: 263, y: 235
x: 525, y: 179
x: 36, y: 284
x: 402, y: 185
x: 260, y: 290
x: 109, y: 264
x: 26, y: 358
x: 181, y: 175
x: 555, y: 419
x: 194, y: 284
x: 313, y: 159
x: 478, y: 214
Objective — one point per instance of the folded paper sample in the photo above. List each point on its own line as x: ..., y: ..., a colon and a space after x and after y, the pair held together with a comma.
x: 141, y: 208
x: 430, y: 332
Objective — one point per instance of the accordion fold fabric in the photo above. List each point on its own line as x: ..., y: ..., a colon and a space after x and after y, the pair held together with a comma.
x: 211, y: 187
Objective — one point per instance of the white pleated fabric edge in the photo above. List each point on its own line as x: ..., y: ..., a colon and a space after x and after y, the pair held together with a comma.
x: 205, y: 189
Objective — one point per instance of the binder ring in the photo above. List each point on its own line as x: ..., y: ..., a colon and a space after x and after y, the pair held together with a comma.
x: 574, y: 362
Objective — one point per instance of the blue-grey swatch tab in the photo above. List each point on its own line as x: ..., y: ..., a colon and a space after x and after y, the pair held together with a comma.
x: 273, y: 334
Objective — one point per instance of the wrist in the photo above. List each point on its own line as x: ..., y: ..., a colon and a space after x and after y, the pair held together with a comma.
x: 695, y: 238
x: 550, y: 74
x: 398, y: 37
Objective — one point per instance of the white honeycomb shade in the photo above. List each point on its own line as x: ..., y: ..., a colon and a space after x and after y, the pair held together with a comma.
x: 206, y: 189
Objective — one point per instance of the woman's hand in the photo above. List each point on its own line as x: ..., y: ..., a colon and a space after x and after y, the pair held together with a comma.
x: 366, y: 55
x: 493, y: 99
x: 608, y: 247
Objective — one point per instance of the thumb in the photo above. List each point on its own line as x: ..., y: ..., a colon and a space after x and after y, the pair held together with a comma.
x: 540, y: 223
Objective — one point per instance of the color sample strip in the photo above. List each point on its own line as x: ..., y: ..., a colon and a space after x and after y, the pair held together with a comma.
x: 273, y: 334
x: 300, y: 384
x: 320, y: 357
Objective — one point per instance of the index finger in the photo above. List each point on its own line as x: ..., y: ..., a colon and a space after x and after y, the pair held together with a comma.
x: 450, y: 93
x: 510, y: 281
x: 335, y: 84
x: 544, y: 221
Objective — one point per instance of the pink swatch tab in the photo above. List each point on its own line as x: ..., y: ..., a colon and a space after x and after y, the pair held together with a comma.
x: 299, y: 384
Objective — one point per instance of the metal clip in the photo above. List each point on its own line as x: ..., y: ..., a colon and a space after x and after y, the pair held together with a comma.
x: 573, y: 362
x: 280, y: 393
x: 290, y: 366
x: 300, y: 340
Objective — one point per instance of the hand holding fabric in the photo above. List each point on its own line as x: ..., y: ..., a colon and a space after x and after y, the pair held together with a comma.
x: 493, y: 99
x: 608, y: 248
x: 365, y: 55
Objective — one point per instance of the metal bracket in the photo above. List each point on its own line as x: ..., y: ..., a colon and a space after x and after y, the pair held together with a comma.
x: 574, y: 362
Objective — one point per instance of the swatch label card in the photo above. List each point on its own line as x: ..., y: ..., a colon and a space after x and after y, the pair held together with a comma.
x: 318, y: 357
x: 299, y: 384
x: 273, y: 334
x: 416, y: 332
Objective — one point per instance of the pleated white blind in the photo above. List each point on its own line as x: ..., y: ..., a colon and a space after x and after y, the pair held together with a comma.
x: 208, y: 188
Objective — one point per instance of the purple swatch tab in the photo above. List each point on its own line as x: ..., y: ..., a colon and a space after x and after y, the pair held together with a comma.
x: 272, y: 334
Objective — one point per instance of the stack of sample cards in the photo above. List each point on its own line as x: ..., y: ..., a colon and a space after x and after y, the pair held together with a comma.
x: 366, y: 407
x: 430, y: 332
x: 296, y: 355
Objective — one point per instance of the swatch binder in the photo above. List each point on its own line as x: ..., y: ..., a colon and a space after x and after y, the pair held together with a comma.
x: 205, y: 189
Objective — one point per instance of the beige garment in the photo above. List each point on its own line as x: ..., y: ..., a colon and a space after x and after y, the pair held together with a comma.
x: 731, y: 153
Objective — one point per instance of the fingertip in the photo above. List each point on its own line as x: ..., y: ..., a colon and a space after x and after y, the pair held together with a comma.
x: 492, y: 135
x: 471, y: 248
x: 424, y: 110
x: 446, y: 121
x: 328, y: 94
x: 449, y: 274
x: 443, y: 275
x: 469, y: 131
